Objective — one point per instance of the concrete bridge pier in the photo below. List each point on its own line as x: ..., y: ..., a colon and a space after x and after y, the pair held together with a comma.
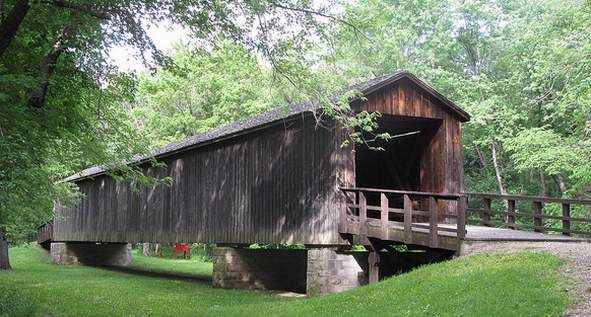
x: 91, y: 253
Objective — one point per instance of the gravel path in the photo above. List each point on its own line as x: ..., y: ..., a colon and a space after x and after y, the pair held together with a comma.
x: 577, y: 255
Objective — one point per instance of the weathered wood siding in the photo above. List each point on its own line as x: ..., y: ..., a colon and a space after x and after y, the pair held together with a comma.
x: 441, y: 163
x: 276, y: 185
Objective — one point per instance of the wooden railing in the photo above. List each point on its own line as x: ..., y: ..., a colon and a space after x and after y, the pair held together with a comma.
x: 412, y: 220
x: 45, y: 233
x: 516, y: 215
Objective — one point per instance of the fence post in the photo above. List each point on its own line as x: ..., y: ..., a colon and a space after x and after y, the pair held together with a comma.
x: 407, y: 219
x: 511, y: 214
x: 362, y: 215
x: 384, y: 208
x: 343, y: 213
x: 538, y: 216
x: 433, y: 222
x: 566, y: 219
x: 461, y: 220
x: 487, y: 212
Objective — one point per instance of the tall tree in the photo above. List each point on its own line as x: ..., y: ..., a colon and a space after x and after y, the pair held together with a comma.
x: 62, y: 99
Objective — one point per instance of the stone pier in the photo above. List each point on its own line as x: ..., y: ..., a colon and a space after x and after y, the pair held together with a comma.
x: 88, y: 253
x: 312, y: 271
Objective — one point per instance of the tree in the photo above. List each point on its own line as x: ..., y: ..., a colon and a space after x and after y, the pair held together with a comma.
x: 514, y: 66
x: 205, y: 89
x: 62, y: 100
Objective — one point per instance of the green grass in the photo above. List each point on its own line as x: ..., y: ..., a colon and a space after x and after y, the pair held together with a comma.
x: 523, y: 284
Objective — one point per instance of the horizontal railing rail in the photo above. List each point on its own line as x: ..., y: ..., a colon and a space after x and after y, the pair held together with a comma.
x: 536, y: 219
x: 432, y: 225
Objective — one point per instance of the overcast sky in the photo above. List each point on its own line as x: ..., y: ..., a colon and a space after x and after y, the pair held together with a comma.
x: 164, y: 37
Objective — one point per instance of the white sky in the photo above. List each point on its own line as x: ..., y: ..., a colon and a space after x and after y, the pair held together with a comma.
x: 164, y: 37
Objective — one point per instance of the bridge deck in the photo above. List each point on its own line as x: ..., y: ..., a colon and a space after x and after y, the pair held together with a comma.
x: 448, y: 239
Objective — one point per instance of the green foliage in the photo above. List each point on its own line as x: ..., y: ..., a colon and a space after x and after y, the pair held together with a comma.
x: 514, y: 66
x: 204, y: 90
x: 522, y: 284
x: 65, y: 108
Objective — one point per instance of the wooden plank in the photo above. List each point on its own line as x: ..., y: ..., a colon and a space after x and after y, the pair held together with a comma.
x: 566, y: 219
x: 487, y: 212
x: 531, y: 198
x: 407, y: 219
x: 433, y: 236
x: 384, y: 215
x: 538, y: 216
x: 374, y: 266
x: 461, y: 220
x: 362, y: 214
x: 511, y: 213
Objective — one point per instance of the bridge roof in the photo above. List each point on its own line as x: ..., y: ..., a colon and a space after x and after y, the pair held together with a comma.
x: 265, y: 119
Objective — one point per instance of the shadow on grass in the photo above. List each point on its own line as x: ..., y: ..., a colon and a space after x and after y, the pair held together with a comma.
x: 165, y: 275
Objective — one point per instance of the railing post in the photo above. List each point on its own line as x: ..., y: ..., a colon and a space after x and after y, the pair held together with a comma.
x: 407, y: 219
x: 461, y: 220
x: 362, y: 215
x: 487, y: 212
x: 538, y: 216
x: 511, y: 213
x: 384, y: 208
x: 566, y: 219
x: 343, y: 213
x: 433, y: 222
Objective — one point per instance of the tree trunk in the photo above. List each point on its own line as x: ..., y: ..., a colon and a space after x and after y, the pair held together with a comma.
x: 46, y: 68
x: 497, y: 167
x: 146, y: 249
x: 481, y: 157
x: 4, y: 260
x: 543, y: 187
x: 10, y: 25
x: 561, y: 184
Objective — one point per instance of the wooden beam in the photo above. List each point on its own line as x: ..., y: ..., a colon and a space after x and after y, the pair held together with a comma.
x: 362, y: 215
x: 433, y: 222
x: 487, y: 212
x: 538, y: 216
x: 374, y: 260
x: 407, y: 219
x: 566, y: 219
x: 384, y: 215
x: 461, y: 220
x: 511, y: 213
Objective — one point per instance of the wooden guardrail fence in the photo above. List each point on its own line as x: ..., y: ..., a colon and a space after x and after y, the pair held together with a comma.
x: 515, y: 217
x: 412, y: 219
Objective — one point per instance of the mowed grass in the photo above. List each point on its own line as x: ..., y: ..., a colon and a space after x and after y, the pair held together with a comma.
x: 522, y: 284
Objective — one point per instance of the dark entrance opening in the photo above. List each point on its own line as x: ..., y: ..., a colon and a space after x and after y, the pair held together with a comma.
x: 398, y: 164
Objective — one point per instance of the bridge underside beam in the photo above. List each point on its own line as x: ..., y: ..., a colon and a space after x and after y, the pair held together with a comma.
x: 90, y: 253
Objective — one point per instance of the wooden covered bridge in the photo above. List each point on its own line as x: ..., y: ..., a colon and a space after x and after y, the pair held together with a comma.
x: 280, y: 177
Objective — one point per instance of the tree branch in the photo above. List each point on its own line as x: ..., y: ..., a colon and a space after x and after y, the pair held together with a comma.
x: 11, y: 24
x: 46, y: 68
x: 317, y: 13
x: 84, y: 8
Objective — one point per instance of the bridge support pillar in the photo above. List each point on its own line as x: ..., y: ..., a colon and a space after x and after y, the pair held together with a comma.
x: 331, y: 271
x: 89, y: 253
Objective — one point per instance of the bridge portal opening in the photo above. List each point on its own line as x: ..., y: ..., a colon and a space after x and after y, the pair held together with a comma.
x: 398, y: 163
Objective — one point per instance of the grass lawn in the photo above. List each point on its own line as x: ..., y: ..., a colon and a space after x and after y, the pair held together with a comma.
x: 523, y: 284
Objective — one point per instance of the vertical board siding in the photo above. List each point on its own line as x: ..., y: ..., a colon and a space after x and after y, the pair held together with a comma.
x: 276, y: 185
x: 441, y: 167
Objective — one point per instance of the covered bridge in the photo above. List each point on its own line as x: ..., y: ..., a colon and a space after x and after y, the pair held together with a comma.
x: 274, y: 177
x: 281, y: 177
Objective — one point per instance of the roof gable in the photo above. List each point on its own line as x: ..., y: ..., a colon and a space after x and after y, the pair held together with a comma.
x: 375, y: 84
